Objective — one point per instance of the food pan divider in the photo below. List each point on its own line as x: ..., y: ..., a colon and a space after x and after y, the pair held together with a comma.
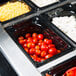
x: 45, y: 7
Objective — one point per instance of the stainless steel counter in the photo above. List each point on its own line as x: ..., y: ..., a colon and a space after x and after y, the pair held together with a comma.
x: 19, y: 61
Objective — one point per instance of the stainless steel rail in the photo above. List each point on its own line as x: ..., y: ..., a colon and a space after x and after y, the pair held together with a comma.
x: 57, y: 61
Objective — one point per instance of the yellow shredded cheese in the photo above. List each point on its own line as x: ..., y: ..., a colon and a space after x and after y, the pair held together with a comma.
x: 13, y: 9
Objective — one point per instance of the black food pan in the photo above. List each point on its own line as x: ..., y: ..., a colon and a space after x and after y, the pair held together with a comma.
x: 37, y: 25
x: 61, y: 69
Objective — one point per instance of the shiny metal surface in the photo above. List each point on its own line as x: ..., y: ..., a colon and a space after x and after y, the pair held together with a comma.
x: 57, y: 61
x: 20, y: 63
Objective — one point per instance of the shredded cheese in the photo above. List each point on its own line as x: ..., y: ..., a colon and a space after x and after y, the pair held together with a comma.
x: 13, y: 9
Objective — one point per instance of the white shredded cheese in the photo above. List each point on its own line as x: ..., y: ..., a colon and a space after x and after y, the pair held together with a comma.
x: 67, y: 25
x: 42, y: 3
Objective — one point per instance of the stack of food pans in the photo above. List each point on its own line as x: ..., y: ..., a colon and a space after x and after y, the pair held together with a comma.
x: 40, y: 20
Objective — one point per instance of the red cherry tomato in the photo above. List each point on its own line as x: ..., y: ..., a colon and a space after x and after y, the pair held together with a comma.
x: 24, y: 45
x: 48, y: 74
x: 58, y: 51
x: 32, y: 51
x: 25, y: 40
x: 37, y: 52
x: 47, y: 41
x: 35, y: 40
x: 29, y: 45
x: 51, y: 46
x: 21, y: 38
x: 38, y: 59
x: 50, y: 41
x: 37, y: 47
x: 43, y: 53
x: 32, y: 45
x: 52, y: 51
x: 29, y: 39
x: 48, y: 56
x: 44, y: 47
x: 40, y: 41
x: 40, y: 36
x: 27, y: 35
x: 26, y: 49
x: 34, y: 35
x: 34, y: 57
x: 21, y: 42
x: 42, y: 59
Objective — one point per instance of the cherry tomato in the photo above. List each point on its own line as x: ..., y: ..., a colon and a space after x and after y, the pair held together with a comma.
x: 34, y: 57
x: 58, y: 51
x: 44, y: 47
x: 34, y: 35
x: 26, y: 49
x: 29, y: 39
x: 50, y: 41
x: 32, y: 51
x: 37, y: 52
x: 48, y: 56
x: 38, y: 59
x: 21, y: 41
x: 42, y: 59
x: 40, y: 41
x: 24, y: 45
x: 40, y: 36
x: 35, y: 40
x: 47, y: 41
x: 32, y: 45
x: 21, y: 38
x: 48, y: 74
x: 43, y: 53
x: 27, y: 35
x: 51, y: 46
x: 25, y: 40
x: 52, y: 51
x: 29, y: 45
x: 37, y: 47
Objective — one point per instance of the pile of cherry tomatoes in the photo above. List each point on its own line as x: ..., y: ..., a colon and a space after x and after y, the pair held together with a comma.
x: 38, y: 47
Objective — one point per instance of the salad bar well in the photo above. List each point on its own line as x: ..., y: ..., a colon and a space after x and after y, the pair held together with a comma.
x: 67, y: 68
x: 22, y: 34
x: 38, y: 37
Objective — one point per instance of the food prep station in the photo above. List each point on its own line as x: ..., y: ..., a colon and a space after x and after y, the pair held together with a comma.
x: 14, y: 59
